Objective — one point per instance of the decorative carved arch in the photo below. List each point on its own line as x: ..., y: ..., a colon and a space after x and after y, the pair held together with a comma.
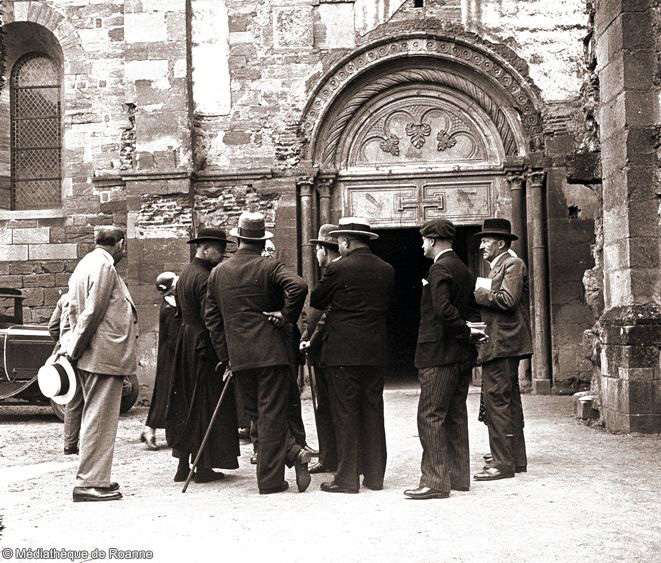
x: 491, y: 75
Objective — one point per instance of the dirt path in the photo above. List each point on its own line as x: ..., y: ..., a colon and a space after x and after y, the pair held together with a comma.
x: 588, y: 496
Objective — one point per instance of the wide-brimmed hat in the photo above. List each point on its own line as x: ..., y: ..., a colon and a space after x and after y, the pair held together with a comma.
x: 438, y: 228
x: 57, y: 380
x: 497, y: 228
x: 355, y: 226
x: 251, y: 227
x: 209, y: 234
x: 325, y: 235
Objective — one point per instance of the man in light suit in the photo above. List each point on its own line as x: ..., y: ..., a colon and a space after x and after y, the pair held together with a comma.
x: 102, y: 342
x: 444, y: 358
x: 504, y: 309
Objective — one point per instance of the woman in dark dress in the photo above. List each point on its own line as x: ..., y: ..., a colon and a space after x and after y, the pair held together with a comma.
x: 168, y: 330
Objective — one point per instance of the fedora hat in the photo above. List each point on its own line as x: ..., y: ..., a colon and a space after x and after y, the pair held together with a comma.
x: 209, y: 234
x: 355, y: 226
x: 325, y: 235
x: 251, y: 227
x: 497, y: 228
x: 57, y: 380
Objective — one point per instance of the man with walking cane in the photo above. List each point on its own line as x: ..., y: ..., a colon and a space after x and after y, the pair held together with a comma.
x: 250, y: 301
x: 312, y: 342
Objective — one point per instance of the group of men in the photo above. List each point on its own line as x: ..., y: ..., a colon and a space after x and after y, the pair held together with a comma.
x: 238, y: 329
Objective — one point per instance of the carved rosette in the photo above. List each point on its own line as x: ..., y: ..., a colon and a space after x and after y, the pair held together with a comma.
x: 445, y: 141
x: 417, y: 132
x: 390, y: 145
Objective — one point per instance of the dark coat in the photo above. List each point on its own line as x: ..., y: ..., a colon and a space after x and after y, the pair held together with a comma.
x: 505, y: 311
x: 197, y: 387
x: 356, y: 290
x: 445, y: 306
x: 240, y: 290
x: 168, y: 331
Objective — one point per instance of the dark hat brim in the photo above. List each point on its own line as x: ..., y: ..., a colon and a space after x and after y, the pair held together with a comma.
x: 497, y: 234
x: 207, y: 239
x: 324, y: 242
x: 235, y: 233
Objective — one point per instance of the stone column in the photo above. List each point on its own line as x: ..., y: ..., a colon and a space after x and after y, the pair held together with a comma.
x: 324, y: 191
x: 541, y: 379
x: 631, y: 323
x: 304, y: 185
x: 519, y: 215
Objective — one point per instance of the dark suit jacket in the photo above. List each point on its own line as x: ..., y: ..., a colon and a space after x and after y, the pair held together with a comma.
x: 505, y: 311
x: 239, y: 291
x: 357, y: 289
x: 447, y: 300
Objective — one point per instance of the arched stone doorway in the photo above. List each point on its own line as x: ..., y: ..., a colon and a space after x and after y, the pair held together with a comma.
x: 427, y: 123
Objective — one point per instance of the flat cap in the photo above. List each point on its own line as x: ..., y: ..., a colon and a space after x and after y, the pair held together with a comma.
x: 438, y: 228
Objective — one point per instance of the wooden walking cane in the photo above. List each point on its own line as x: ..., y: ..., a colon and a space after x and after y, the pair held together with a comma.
x: 313, y: 383
x: 227, y: 373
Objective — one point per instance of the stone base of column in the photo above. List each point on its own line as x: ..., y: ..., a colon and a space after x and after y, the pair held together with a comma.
x: 630, y: 370
x: 541, y: 386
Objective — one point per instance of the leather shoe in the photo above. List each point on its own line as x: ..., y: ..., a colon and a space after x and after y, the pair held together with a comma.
x: 208, y: 475
x: 313, y: 452
x: 424, y: 493
x: 89, y: 494
x: 493, y: 474
x: 278, y: 489
x: 320, y: 468
x: 517, y: 468
x: 464, y: 489
x: 181, y: 475
x: 333, y: 487
x: 253, y: 458
x: 372, y: 486
x: 149, y: 440
x: 70, y: 450
x: 114, y: 486
x: 302, y: 473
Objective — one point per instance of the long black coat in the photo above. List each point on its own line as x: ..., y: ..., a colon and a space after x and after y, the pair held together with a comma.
x: 357, y: 289
x: 168, y: 331
x: 446, y: 304
x: 240, y: 290
x: 197, y: 386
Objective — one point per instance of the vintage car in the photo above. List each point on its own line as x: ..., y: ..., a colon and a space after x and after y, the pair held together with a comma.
x: 25, y: 348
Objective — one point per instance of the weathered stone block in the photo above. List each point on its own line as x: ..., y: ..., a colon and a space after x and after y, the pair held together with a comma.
x: 13, y: 281
x: 32, y: 236
x: 645, y: 423
x: 64, y: 251
x: 62, y: 279
x: 145, y: 28
x: 33, y: 297
x: 12, y: 252
x: 39, y: 280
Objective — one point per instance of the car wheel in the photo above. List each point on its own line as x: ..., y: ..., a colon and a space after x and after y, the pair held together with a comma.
x: 58, y: 410
x: 130, y: 392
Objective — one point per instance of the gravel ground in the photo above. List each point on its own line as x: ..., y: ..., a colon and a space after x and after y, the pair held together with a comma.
x: 587, y: 496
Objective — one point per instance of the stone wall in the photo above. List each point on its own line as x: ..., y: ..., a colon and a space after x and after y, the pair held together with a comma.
x: 161, y: 136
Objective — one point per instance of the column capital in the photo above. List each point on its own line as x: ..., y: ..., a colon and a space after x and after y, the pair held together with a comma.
x: 536, y: 178
x: 304, y: 184
x: 516, y: 180
x: 325, y: 186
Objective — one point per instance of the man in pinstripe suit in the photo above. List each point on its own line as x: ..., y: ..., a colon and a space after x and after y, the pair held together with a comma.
x: 444, y: 358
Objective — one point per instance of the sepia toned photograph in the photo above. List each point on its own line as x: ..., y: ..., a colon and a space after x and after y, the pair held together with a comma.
x: 330, y: 281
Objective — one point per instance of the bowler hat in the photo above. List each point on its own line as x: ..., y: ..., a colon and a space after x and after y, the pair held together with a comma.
x: 497, y: 228
x: 57, y: 380
x: 355, y: 226
x: 209, y: 234
x: 438, y: 228
x: 325, y: 237
x: 251, y: 227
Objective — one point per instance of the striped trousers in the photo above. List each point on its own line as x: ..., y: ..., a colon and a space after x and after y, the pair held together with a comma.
x: 443, y: 426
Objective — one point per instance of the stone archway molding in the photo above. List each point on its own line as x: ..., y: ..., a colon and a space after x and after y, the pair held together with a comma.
x: 431, y: 39
x: 52, y: 19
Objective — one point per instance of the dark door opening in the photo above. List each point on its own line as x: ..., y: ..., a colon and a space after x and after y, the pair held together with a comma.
x: 402, y: 248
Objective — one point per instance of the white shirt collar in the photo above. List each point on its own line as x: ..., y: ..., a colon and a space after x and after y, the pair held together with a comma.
x: 441, y: 254
x: 106, y: 255
x: 497, y: 259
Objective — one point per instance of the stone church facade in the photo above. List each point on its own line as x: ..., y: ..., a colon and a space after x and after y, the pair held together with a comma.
x: 166, y: 115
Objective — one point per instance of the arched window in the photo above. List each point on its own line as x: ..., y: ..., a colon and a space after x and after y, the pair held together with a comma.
x: 36, y: 138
